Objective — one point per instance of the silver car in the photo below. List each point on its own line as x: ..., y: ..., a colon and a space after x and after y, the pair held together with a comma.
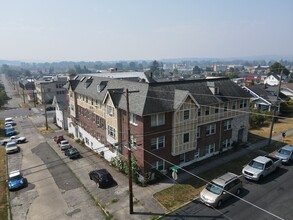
x: 11, y: 147
x: 220, y: 189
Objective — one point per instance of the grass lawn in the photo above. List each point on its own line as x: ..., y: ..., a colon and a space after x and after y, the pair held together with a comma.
x: 3, y: 188
x: 282, y: 125
x: 179, y: 194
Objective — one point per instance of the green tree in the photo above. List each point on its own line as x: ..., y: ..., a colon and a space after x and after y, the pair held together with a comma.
x: 132, y: 66
x: 196, y: 70
x: 278, y: 68
x: 155, y: 69
x: 3, y: 96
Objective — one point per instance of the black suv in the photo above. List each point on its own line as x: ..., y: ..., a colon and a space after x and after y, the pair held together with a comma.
x: 101, y: 177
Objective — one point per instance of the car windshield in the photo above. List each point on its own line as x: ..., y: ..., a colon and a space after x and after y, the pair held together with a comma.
x: 214, y: 188
x: 64, y: 142
x: 16, y: 178
x: 11, y: 145
x: 256, y: 165
x: 285, y: 152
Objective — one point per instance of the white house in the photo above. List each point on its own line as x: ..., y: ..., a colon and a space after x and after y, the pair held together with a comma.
x: 272, y: 80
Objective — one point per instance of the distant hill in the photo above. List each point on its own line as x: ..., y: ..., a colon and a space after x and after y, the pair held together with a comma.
x: 10, y: 62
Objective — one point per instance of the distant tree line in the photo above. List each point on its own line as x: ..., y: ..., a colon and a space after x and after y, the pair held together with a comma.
x: 3, y: 96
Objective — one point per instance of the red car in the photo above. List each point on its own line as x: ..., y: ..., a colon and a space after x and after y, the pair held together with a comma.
x: 58, y: 138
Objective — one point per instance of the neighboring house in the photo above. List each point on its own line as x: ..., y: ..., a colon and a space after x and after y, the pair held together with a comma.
x: 47, y: 88
x: 29, y: 86
x: 61, y: 113
x: 264, y: 98
x: 272, y: 80
x: 178, y: 122
x: 287, y: 89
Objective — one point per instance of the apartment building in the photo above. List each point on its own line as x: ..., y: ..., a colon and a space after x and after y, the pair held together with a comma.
x: 171, y: 123
x: 48, y: 87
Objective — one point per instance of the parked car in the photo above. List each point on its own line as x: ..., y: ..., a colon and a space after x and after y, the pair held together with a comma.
x: 64, y: 145
x: 10, y: 131
x: 101, y: 177
x: 17, y: 139
x: 50, y: 108
x: 16, y: 180
x: 58, y: 138
x: 260, y: 167
x: 9, y: 121
x: 8, y: 125
x: 72, y: 153
x: 11, y: 147
x: 285, y: 154
x: 221, y: 189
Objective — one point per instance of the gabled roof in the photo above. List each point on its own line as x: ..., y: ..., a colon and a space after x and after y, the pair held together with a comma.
x: 276, y: 76
x: 72, y: 84
x: 160, y: 97
x: 263, y: 93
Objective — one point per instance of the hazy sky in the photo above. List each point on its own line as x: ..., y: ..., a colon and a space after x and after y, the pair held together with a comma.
x: 95, y: 30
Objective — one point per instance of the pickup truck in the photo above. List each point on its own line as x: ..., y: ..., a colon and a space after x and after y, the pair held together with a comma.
x: 16, y: 139
x: 260, y: 167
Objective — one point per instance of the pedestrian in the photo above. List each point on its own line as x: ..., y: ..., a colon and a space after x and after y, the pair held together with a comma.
x: 283, y: 135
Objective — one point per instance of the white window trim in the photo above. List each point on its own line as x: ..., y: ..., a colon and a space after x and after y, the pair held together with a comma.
x: 110, y: 111
x: 132, y: 119
x: 227, y: 125
x: 188, y: 114
x: 209, y: 129
x: 157, y: 164
x: 157, y: 139
x: 113, y: 130
x: 183, y: 141
x: 156, y: 119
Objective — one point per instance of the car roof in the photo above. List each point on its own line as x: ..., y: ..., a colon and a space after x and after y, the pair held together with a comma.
x: 224, y: 179
x: 8, y: 119
x: 288, y: 147
x: 12, y: 142
x: 14, y: 173
x: 101, y: 171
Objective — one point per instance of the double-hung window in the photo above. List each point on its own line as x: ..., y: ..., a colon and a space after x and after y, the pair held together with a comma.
x: 158, y: 119
x: 209, y: 149
x: 157, y: 143
x: 186, y: 114
x: 159, y: 165
x: 111, y: 131
x: 227, y: 125
x: 110, y: 110
x: 132, y: 118
x: 210, y: 129
x: 186, y: 137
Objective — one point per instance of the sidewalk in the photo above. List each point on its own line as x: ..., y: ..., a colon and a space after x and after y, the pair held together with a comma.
x: 145, y: 206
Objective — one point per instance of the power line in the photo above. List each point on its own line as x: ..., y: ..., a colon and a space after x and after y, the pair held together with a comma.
x: 206, y: 181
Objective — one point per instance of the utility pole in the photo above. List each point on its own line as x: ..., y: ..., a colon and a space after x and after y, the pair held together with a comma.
x: 23, y: 94
x: 45, y: 108
x: 274, y: 110
x: 129, y: 153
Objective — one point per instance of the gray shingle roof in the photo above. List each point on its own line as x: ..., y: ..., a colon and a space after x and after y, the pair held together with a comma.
x: 164, y: 96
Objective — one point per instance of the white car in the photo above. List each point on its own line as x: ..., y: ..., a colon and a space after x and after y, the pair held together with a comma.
x: 9, y: 121
x: 16, y: 139
x: 64, y: 145
x: 11, y: 147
